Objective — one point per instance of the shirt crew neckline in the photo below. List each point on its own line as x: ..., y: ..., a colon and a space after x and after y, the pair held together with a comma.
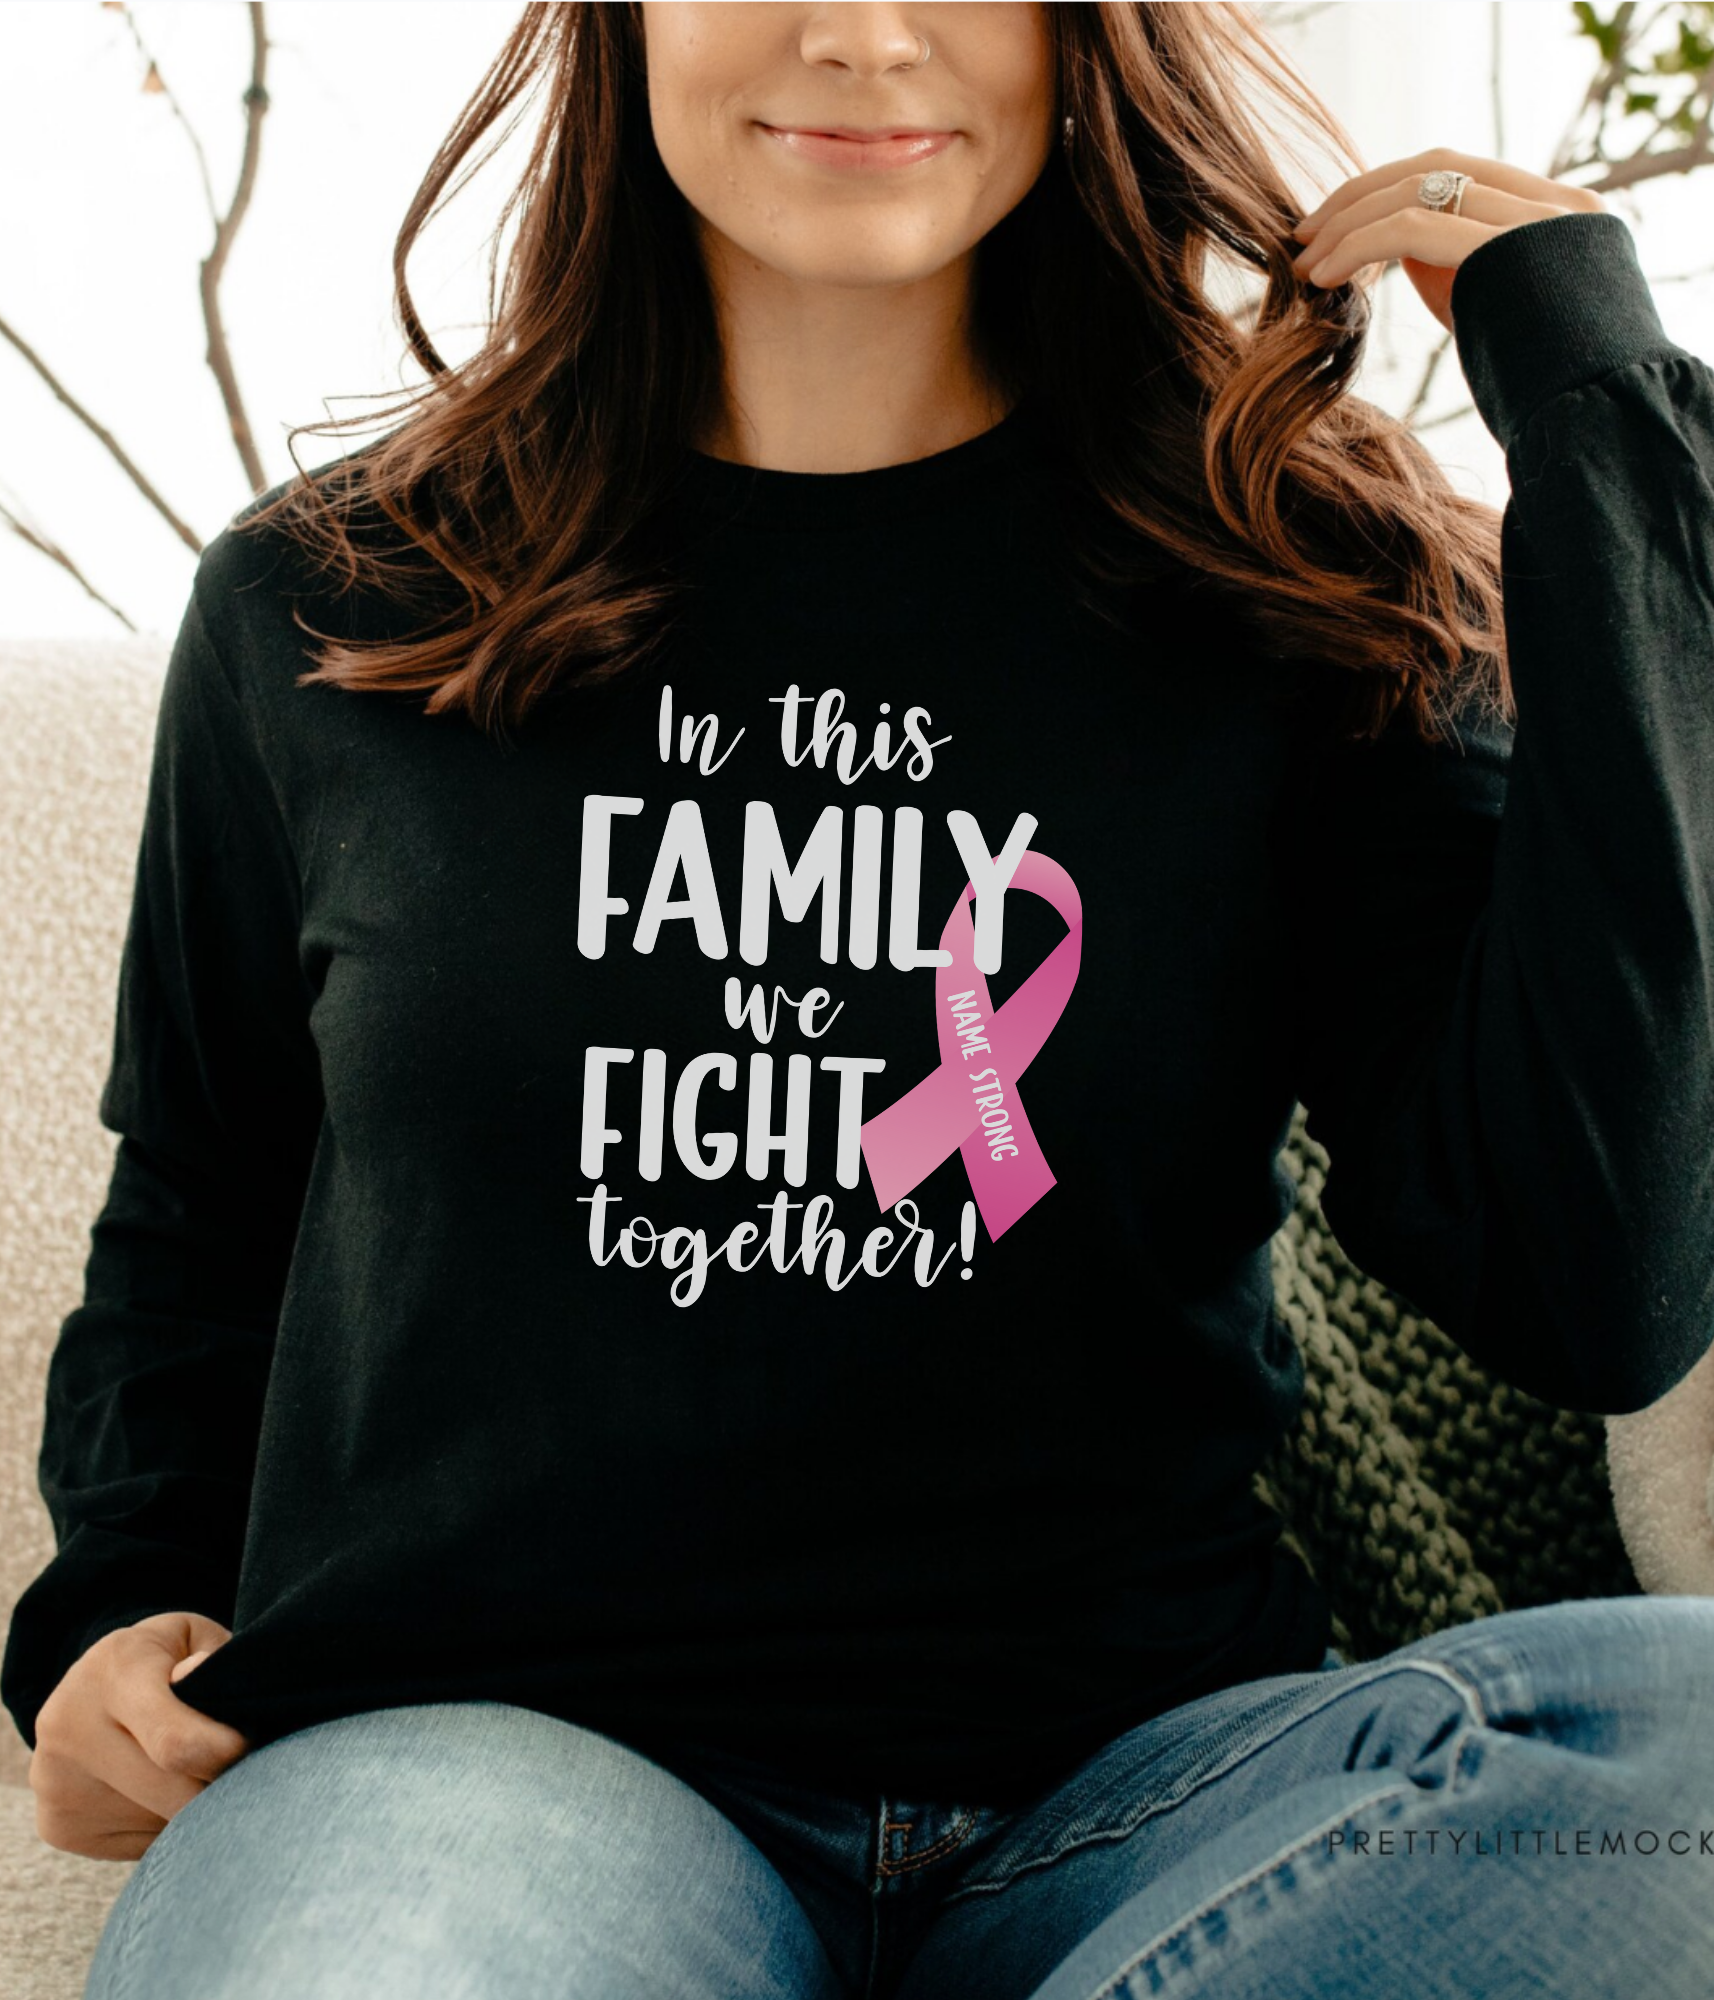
x: 769, y: 497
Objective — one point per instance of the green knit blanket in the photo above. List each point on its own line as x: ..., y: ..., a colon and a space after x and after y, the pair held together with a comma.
x: 1421, y: 1491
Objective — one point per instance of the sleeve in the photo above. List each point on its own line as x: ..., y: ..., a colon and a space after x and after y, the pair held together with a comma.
x: 1509, y: 1056
x: 156, y: 1382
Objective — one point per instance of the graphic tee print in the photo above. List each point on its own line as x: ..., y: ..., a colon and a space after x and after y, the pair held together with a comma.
x: 970, y: 1107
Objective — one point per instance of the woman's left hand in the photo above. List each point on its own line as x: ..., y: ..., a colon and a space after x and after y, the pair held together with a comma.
x: 1375, y: 217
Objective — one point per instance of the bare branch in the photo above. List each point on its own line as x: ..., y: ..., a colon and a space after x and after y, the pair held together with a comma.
x: 1442, y: 348
x: 1496, y: 78
x: 161, y: 84
x: 104, y: 437
x: 219, y: 354
x: 1278, y: 14
x: 1655, y: 166
x: 1445, y: 417
x: 55, y: 554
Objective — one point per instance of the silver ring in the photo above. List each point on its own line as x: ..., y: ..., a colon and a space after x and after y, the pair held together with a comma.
x: 926, y: 53
x: 1443, y: 189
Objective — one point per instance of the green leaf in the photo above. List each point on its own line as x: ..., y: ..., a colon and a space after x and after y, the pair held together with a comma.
x: 1604, y: 34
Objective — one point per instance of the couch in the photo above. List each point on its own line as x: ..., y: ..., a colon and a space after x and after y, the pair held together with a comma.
x: 1422, y: 1492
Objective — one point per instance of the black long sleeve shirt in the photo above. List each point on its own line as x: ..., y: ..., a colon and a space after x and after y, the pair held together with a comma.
x: 570, y: 1243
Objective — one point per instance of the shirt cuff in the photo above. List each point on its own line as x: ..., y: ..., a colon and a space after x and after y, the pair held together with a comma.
x: 1547, y: 306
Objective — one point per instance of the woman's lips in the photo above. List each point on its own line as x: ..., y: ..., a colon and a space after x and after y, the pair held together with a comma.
x: 864, y: 152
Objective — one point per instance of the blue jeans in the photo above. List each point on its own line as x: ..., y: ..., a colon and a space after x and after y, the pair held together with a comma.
x: 1521, y: 1805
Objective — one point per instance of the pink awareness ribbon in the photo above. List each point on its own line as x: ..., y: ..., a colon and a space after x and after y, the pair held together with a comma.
x: 982, y: 1058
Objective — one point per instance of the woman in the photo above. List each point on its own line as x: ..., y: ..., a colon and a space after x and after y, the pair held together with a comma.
x: 754, y: 1106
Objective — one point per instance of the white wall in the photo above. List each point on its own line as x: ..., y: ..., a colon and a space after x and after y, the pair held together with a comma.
x: 102, y: 226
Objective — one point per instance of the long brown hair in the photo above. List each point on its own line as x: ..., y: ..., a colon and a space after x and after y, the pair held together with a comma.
x: 523, y: 483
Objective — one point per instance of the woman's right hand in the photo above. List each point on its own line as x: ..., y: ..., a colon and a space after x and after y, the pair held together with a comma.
x: 117, y: 1752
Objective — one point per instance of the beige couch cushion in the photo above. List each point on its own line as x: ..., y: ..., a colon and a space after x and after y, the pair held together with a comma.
x: 52, y: 1905
x: 76, y: 727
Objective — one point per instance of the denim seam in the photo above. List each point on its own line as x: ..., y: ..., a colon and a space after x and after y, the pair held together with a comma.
x: 874, y: 1965
x: 1112, y: 1983
x: 1124, y: 1828
x: 944, y: 1845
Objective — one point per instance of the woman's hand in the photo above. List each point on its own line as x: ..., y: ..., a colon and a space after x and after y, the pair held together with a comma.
x: 117, y: 1752
x: 1375, y: 217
